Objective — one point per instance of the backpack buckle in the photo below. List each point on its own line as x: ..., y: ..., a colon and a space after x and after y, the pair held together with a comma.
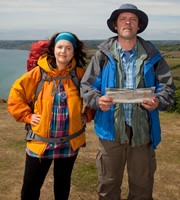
x: 31, y: 134
x: 62, y: 139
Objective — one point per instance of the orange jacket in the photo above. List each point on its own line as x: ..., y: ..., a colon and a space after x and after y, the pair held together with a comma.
x: 23, y: 91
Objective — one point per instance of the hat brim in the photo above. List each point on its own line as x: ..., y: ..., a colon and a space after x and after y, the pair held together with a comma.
x: 143, y: 18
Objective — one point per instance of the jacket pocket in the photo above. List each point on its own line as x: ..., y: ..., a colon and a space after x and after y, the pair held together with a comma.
x: 152, y: 168
x: 99, y: 163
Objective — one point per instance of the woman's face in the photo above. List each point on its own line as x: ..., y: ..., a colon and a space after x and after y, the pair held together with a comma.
x: 64, y: 52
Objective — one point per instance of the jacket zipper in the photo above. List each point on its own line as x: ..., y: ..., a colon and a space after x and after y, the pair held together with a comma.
x: 49, y: 118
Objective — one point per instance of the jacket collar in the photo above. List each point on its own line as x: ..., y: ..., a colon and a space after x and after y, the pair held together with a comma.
x: 46, y: 65
x: 150, y: 49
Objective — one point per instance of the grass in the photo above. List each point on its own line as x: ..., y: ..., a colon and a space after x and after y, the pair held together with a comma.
x: 168, y: 47
x: 172, y: 62
x: 172, y: 57
x: 84, y: 176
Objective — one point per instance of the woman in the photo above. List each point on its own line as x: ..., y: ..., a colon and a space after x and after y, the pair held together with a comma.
x: 57, y: 113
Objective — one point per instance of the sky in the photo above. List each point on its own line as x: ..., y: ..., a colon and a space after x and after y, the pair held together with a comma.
x: 40, y: 19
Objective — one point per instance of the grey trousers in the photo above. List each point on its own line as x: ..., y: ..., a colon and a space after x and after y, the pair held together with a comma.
x: 141, y: 165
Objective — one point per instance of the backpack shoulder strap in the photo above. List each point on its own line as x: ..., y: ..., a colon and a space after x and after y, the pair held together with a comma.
x: 103, y: 59
x: 40, y: 85
x: 75, y: 78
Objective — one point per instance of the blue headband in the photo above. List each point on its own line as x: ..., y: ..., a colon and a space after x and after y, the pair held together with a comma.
x: 66, y: 36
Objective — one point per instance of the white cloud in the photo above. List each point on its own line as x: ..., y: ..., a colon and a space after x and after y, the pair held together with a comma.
x: 35, y: 19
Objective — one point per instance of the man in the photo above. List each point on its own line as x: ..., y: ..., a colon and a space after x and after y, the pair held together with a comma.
x: 128, y: 133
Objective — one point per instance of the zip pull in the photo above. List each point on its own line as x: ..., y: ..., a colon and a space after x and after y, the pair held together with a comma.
x: 53, y: 88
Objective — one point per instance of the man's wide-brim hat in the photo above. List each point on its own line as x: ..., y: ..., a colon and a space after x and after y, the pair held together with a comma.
x: 143, y: 18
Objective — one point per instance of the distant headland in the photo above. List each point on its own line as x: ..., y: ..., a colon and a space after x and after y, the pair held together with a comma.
x: 90, y: 44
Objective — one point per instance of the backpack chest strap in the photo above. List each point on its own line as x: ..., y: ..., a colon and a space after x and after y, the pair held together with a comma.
x: 57, y: 78
x: 54, y: 81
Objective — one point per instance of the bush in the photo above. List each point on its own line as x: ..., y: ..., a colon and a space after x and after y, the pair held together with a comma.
x: 176, y: 107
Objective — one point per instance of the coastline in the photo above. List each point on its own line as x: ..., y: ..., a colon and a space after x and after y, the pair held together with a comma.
x: 3, y: 100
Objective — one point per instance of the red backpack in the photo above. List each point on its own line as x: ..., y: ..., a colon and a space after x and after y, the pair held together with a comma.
x: 35, y: 51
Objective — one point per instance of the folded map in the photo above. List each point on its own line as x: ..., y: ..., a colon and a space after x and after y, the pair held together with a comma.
x: 130, y: 95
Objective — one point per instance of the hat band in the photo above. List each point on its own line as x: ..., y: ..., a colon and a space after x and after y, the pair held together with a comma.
x: 66, y: 36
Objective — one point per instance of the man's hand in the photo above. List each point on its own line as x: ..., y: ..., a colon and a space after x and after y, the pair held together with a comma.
x: 105, y: 103
x: 35, y: 119
x: 150, y: 105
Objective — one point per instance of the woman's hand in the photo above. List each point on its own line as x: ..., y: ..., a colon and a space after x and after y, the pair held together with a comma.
x: 35, y: 120
x: 83, y: 119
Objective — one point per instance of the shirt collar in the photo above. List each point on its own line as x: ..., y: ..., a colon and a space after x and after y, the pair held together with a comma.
x: 121, y: 51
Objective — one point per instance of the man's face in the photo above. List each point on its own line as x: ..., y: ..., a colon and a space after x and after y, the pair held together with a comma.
x: 127, y: 25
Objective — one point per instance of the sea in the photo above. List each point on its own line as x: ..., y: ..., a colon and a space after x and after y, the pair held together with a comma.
x: 13, y: 64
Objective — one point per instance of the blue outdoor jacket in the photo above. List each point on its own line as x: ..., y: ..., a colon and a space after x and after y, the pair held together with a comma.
x: 101, y: 74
